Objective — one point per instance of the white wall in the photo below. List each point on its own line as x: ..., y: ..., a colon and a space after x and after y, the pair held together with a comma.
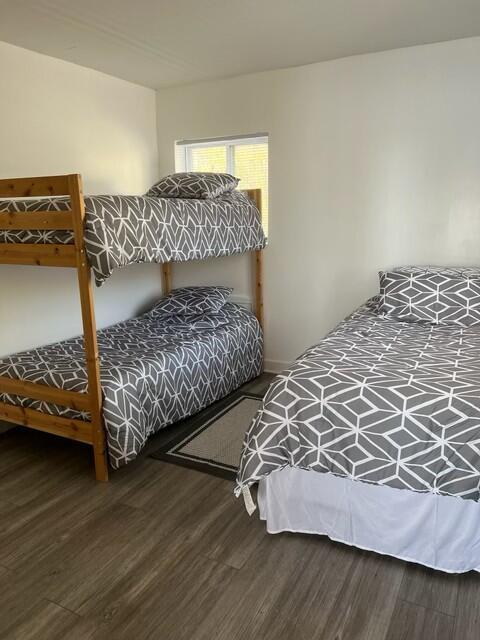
x: 56, y: 117
x: 374, y: 162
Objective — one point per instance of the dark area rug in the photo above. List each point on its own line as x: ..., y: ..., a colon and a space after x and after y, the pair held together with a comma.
x: 214, y: 442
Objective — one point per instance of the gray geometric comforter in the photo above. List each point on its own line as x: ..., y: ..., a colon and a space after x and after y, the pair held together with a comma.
x: 122, y: 230
x: 155, y: 370
x: 378, y: 400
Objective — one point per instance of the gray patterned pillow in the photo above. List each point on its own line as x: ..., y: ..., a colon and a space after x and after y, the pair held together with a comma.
x: 436, y: 295
x: 193, y: 185
x: 193, y: 301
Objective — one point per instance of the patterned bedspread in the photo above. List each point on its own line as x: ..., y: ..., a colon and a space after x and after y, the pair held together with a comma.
x: 378, y: 400
x: 154, y: 371
x: 122, y: 230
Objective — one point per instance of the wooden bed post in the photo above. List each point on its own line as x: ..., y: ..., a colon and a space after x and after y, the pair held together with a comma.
x: 166, y: 278
x: 258, y: 269
x: 256, y: 196
x: 89, y: 328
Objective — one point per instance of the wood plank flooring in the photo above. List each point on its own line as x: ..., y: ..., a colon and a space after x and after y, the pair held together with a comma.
x: 167, y: 553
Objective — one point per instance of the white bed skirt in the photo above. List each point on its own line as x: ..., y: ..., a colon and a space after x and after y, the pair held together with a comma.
x: 441, y: 532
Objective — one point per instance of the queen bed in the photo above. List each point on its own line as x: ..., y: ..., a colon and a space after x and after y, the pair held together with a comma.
x: 372, y: 437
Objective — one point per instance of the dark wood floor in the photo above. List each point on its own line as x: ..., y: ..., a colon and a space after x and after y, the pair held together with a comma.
x: 163, y: 552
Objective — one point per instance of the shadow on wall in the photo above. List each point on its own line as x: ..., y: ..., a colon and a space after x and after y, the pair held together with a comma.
x: 48, y: 309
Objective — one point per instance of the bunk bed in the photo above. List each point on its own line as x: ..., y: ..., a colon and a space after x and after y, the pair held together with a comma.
x: 47, y: 221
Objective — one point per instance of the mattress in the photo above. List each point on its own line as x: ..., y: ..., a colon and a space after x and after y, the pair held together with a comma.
x: 379, y: 401
x: 122, y: 230
x: 155, y: 370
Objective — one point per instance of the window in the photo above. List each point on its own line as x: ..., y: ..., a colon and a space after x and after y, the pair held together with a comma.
x: 245, y: 157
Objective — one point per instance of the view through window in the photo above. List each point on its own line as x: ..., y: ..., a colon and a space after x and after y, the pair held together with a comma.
x: 245, y: 157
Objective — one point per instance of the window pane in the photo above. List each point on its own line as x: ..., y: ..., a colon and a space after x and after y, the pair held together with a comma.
x: 248, y: 161
x: 208, y: 159
x: 251, y: 166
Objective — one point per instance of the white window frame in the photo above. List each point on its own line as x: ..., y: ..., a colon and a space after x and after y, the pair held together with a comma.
x: 228, y: 142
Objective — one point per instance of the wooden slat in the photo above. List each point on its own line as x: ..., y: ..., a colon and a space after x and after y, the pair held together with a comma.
x: 42, y: 255
x: 33, y: 187
x: 44, y: 220
x: 65, y: 427
x: 36, y: 391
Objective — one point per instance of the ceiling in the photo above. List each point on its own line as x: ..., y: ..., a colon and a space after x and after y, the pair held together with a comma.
x: 158, y: 43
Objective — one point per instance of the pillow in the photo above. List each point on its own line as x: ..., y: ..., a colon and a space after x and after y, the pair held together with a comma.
x: 436, y: 295
x: 193, y: 301
x: 193, y: 185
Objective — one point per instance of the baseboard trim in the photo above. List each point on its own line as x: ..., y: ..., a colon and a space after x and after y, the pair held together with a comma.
x: 242, y: 301
x: 275, y: 366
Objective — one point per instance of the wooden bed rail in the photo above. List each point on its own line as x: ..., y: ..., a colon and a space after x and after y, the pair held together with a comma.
x: 48, y: 220
x: 38, y: 255
x: 57, y: 255
x: 79, y: 430
x: 36, y: 391
x: 35, y: 187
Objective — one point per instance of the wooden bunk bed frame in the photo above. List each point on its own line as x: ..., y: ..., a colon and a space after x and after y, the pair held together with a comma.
x: 72, y: 255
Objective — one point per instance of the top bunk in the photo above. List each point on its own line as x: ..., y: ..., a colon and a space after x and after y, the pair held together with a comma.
x: 39, y: 224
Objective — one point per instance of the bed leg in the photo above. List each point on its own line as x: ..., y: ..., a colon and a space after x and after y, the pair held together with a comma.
x: 99, y: 449
x: 101, y: 463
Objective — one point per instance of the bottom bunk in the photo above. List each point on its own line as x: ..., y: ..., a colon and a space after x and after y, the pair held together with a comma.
x: 156, y: 369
